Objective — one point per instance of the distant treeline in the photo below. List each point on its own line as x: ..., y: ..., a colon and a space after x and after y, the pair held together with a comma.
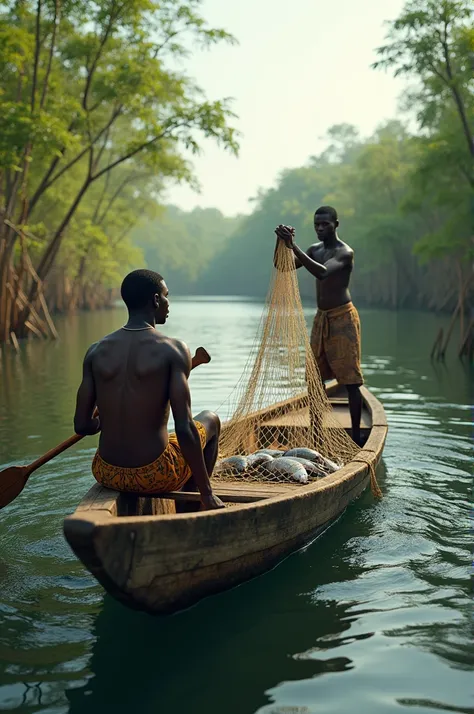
x: 183, y: 244
x: 410, y: 244
x: 405, y: 198
x: 94, y: 117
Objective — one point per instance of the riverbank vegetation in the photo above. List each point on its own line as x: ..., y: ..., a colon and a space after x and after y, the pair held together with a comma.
x: 91, y: 130
x: 404, y: 194
x: 94, y: 117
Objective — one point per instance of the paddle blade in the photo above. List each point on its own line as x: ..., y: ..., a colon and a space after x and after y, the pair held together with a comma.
x: 202, y: 356
x: 12, y: 483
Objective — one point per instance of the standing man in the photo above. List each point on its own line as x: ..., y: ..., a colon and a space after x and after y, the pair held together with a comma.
x: 134, y: 375
x: 335, y: 337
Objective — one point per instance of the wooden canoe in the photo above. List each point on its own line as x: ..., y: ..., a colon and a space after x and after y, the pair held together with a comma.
x: 151, y: 558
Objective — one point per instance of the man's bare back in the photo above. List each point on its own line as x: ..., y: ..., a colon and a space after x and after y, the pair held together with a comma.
x: 131, y: 372
x: 134, y: 376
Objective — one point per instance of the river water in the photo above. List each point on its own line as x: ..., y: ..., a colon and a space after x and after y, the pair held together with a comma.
x: 372, y: 618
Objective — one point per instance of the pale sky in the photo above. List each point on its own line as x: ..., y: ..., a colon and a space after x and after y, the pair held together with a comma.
x: 301, y: 66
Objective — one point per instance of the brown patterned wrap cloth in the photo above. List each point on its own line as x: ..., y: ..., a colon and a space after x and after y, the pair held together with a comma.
x: 335, y: 341
x: 169, y: 472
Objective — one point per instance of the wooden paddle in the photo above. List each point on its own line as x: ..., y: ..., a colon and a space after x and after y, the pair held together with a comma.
x: 13, y: 479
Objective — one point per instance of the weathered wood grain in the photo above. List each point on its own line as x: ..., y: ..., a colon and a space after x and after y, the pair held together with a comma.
x: 152, y: 558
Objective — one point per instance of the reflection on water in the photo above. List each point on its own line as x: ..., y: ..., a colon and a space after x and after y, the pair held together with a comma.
x: 374, y: 617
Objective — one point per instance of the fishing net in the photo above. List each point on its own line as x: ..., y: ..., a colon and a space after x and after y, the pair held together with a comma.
x: 282, y: 374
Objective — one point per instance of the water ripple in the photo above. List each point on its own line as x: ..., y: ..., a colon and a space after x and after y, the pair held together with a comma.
x: 374, y: 617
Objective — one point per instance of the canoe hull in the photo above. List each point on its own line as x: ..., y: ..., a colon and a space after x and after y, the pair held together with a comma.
x: 166, y: 562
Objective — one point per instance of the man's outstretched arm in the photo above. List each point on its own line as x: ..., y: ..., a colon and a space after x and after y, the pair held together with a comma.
x: 320, y: 271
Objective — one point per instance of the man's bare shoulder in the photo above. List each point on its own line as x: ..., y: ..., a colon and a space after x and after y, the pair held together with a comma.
x: 179, y: 353
x: 108, y: 339
x: 169, y: 349
x: 176, y: 351
x: 315, y: 249
x: 344, y: 250
x: 91, y: 352
x: 105, y: 342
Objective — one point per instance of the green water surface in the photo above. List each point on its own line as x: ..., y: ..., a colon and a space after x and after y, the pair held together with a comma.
x: 373, y: 618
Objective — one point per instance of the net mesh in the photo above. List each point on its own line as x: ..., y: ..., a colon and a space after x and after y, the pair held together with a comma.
x: 280, y: 402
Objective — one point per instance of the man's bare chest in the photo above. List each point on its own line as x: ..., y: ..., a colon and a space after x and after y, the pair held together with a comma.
x: 323, y: 256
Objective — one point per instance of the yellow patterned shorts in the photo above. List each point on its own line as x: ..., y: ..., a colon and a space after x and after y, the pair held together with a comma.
x: 335, y: 341
x: 169, y: 472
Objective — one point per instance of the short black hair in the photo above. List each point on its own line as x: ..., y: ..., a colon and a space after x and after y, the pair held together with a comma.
x: 329, y: 210
x: 138, y: 288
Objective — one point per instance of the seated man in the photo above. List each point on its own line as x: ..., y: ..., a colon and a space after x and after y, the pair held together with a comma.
x: 134, y: 375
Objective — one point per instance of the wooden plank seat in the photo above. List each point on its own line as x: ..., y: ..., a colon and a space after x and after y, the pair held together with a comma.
x: 108, y: 502
x: 237, y: 493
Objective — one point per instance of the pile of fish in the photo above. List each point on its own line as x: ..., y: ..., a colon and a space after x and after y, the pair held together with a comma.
x: 298, y: 465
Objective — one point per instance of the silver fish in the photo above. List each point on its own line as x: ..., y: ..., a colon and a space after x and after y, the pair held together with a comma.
x: 304, y: 453
x: 331, y: 465
x: 274, y: 453
x: 310, y: 467
x: 258, y: 458
x: 288, y: 468
x: 233, y: 464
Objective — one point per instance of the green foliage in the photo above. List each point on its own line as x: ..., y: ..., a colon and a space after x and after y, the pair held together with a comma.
x: 181, y: 245
x: 95, y: 115
x: 392, y: 217
x: 96, y: 109
x: 434, y: 41
x: 405, y: 200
